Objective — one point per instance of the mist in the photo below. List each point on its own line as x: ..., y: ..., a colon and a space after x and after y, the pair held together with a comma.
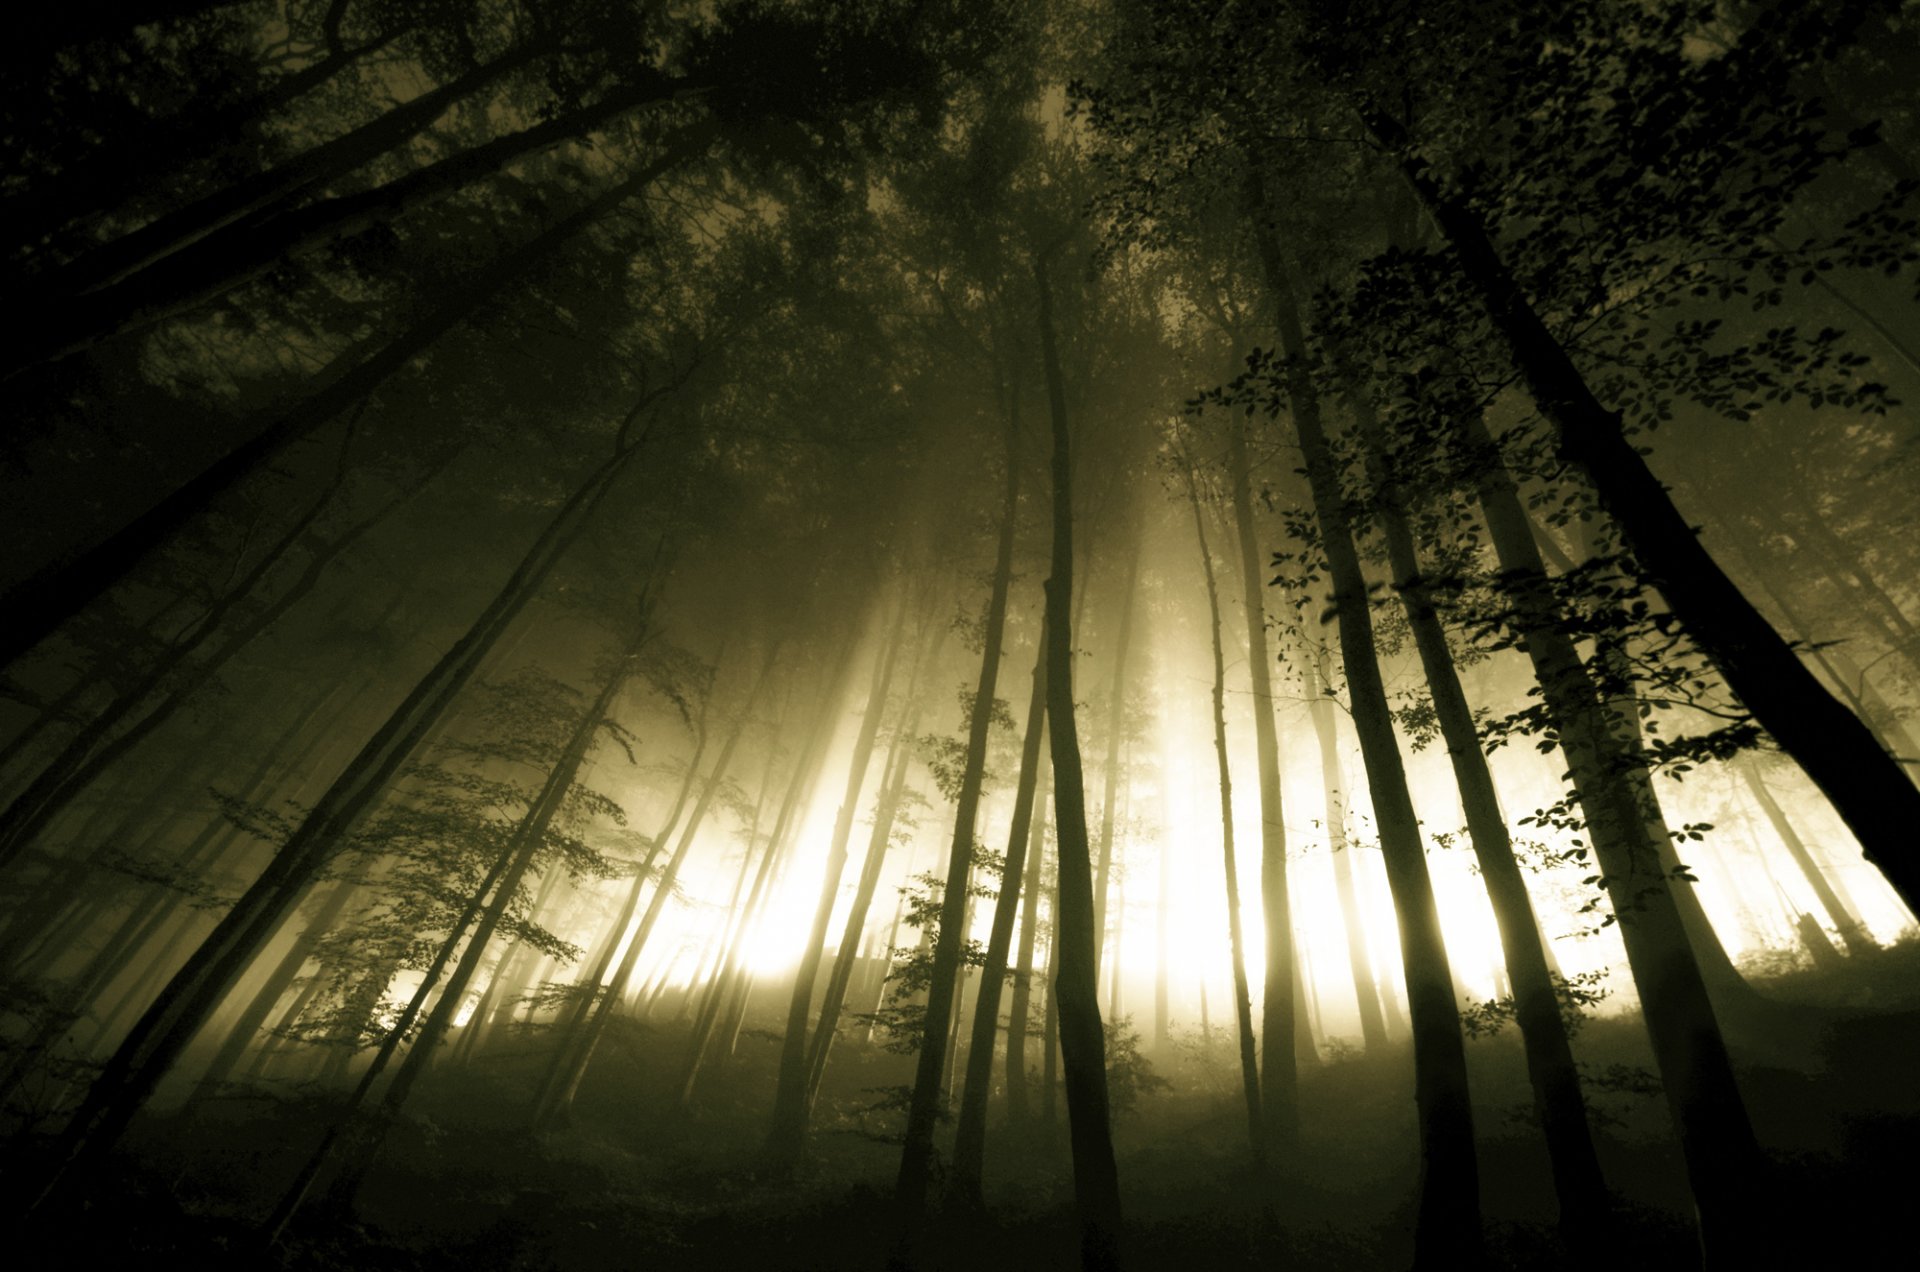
x: 946, y: 635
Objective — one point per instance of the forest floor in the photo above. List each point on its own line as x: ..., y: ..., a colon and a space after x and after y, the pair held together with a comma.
x: 635, y: 1182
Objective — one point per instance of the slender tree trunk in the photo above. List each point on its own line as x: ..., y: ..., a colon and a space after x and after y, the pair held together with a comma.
x: 1279, y: 1071
x: 575, y: 1054
x: 120, y: 170
x: 732, y: 983
x: 1116, y: 735
x: 258, y: 193
x: 1096, y: 1177
x: 1022, y: 1003
x: 246, y: 1027
x: 1236, y: 941
x: 892, y: 791
x: 96, y: 748
x: 1320, y: 707
x: 252, y: 247
x: 1836, y: 749
x: 1852, y: 932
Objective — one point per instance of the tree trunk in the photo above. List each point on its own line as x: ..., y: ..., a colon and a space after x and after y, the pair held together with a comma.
x: 119, y: 171
x: 256, y: 195
x: 893, y: 789
x: 1242, y: 997
x: 1852, y: 932
x: 96, y: 748
x: 1096, y: 1178
x: 252, y: 247
x: 1022, y: 1005
x: 1116, y: 735
x: 731, y: 985
x: 577, y: 1046
x: 1366, y: 990
x: 1279, y: 1069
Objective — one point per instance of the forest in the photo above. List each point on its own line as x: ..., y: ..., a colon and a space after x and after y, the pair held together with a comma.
x: 960, y: 634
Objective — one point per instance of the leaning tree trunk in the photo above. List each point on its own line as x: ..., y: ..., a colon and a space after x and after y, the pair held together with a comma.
x: 1096, y: 1177
x: 1447, y: 1232
x: 577, y: 1046
x: 1852, y: 931
x: 893, y: 788
x: 255, y: 246
x: 1242, y: 999
x: 312, y: 169
x: 1836, y: 748
x: 96, y: 748
x: 731, y: 984
x: 39, y: 604
x: 189, y: 998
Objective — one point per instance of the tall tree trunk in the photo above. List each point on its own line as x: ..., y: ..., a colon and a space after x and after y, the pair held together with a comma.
x: 731, y: 985
x: 1279, y: 1069
x: 1236, y: 941
x: 120, y: 170
x: 1835, y: 748
x: 1447, y: 1232
x: 258, y: 193
x: 970, y: 1134
x: 1116, y: 735
x: 1096, y: 1177
x: 1892, y: 731
x: 97, y: 748
x: 923, y: 1110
